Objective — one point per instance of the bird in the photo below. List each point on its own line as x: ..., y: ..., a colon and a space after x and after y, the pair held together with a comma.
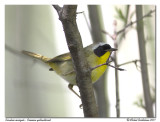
x: 96, y: 54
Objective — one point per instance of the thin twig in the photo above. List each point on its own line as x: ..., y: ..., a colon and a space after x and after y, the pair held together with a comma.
x: 89, y: 27
x: 117, y: 68
x: 112, y: 37
x: 107, y: 63
x: 131, y: 23
x: 80, y: 12
x: 133, y: 61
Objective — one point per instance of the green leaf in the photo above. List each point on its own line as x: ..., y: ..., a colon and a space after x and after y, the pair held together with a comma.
x: 120, y: 14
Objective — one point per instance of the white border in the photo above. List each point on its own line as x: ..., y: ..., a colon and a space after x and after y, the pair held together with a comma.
x: 14, y: 2
x: 146, y: 2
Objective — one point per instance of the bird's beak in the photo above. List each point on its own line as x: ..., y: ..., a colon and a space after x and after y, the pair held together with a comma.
x: 112, y: 49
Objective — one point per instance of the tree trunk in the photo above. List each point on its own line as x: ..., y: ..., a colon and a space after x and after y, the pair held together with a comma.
x: 143, y: 60
x: 100, y: 86
x: 67, y: 16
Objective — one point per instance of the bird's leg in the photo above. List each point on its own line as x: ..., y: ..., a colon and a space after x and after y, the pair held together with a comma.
x: 70, y: 86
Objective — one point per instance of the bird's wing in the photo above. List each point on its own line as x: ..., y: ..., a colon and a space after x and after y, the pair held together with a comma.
x: 61, y: 58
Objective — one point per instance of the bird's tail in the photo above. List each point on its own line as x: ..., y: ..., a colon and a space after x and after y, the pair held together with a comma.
x: 37, y: 56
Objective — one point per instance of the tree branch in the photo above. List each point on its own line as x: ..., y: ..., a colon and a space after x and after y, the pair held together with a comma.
x: 107, y: 63
x: 67, y: 16
x: 117, y: 83
x: 143, y: 60
x: 131, y: 23
x: 128, y: 25
x: 133, y: 61
x: 58, y: 9
x: 116, y: 72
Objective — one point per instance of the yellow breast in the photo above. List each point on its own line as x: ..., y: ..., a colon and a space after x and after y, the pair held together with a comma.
x: 98, y: 72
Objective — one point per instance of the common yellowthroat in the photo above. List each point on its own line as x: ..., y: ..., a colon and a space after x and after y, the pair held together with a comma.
x: 96, y: 54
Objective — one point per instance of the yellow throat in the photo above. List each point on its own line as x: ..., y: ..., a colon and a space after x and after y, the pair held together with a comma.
x: 98, y: 72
